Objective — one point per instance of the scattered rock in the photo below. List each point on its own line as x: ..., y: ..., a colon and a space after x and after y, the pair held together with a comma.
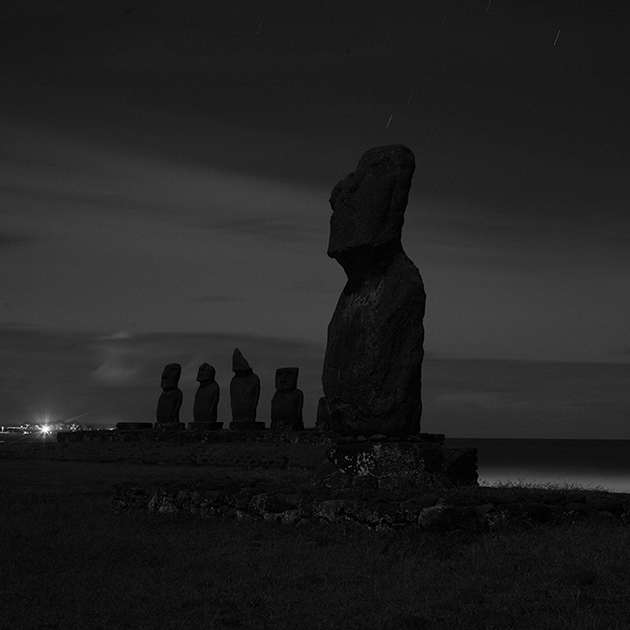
x: 369, y: 507
x: 378, y: 437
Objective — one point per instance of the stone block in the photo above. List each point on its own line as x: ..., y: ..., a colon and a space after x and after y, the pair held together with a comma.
x: 460, y: 466
x: 390, y: 464
x: 169, y: 426
x: 247, y: 426
x: 204, y: 426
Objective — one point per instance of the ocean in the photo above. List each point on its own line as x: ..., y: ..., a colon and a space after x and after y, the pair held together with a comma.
x: 588, y: 463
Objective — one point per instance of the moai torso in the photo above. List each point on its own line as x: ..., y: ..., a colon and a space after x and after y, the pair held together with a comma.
x: 207, y: 396
x: 287, y: 402
x: 170, y: 400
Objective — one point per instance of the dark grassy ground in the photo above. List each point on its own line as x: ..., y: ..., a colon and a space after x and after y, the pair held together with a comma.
x: 67, y: 561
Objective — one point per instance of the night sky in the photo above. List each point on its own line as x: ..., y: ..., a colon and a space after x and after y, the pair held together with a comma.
x: 165, y: 170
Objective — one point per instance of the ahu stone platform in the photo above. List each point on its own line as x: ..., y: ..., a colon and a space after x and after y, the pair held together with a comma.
x: 131, y: 432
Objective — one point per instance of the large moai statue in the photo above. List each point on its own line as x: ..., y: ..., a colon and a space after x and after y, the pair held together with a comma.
x: 244, y: 394
x: 170, y: 400
x: 372, y: 367
x: 207, y: 396
x: 287, y: 402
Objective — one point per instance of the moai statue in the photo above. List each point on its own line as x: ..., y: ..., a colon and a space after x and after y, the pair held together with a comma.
x: 373, y: 365
x: 322, y: 421
x: 287, y: 402
x: 244, y: 394
x: 207, y: 396
x: 171, y: 398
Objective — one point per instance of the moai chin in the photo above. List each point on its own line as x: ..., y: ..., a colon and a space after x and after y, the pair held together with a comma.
x: 207, y: 396
x: 244, y: 394
x: 288, y: 401
x: 170, y: 400
x: 372, y: 368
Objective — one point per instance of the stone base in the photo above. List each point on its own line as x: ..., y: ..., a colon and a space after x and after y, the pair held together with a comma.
x: 279, y: 426
x: 394, y: 465
x: 134, y: 426
x: 247, y: 426
x: 381, y: 437
x: 169, y: 426
x: 205, y: 426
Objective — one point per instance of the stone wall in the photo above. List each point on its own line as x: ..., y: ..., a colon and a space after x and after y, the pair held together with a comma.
x: 479, y: 509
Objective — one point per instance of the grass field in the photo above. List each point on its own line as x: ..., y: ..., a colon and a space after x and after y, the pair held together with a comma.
x: 67, y: 561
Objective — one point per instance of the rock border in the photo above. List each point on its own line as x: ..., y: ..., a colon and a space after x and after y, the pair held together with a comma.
x: 488, y: 509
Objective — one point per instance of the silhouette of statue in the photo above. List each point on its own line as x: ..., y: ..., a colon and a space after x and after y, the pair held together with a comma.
x: 244, y: 394
x: 207, y: 396
x: 287, y: 402
x: 170, y: 400
x: 372, y: 368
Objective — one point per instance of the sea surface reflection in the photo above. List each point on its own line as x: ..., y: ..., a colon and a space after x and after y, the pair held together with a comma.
x: 587, y: 463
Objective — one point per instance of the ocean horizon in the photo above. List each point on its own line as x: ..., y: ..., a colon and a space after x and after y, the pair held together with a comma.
x: 587, y: 463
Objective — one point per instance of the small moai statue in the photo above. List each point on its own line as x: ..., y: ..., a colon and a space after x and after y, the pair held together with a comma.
x: 244, y: 394
x: 170, y: 400
x: 322, y: 421
x: 287, y: 402
x: 206, y: 398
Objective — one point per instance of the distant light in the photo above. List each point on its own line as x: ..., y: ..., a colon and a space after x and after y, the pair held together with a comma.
x: 45, y: 430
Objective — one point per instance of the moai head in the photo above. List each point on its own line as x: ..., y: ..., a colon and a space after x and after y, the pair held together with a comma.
x: 239, y: 363
x: 170, y: 376
x: 368, y: 211
x: 206, y: 373
x: 286, y: 378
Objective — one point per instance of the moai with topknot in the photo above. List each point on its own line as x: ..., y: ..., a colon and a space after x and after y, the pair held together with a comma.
x: 244, y: 395
x: 287, y: 402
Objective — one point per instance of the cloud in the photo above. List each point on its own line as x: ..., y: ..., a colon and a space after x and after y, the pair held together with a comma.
x: 119, y: 360
x: 525, y: 399
x: 11, y: 239
x: 215, y: 299
x: 114, y: 371
x: 121, y: 334
x: 273, y: 227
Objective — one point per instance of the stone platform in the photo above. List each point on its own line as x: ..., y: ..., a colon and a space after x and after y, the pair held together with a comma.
x: 359, y: 462
x: 196, y: 434
x: 401, y: 464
